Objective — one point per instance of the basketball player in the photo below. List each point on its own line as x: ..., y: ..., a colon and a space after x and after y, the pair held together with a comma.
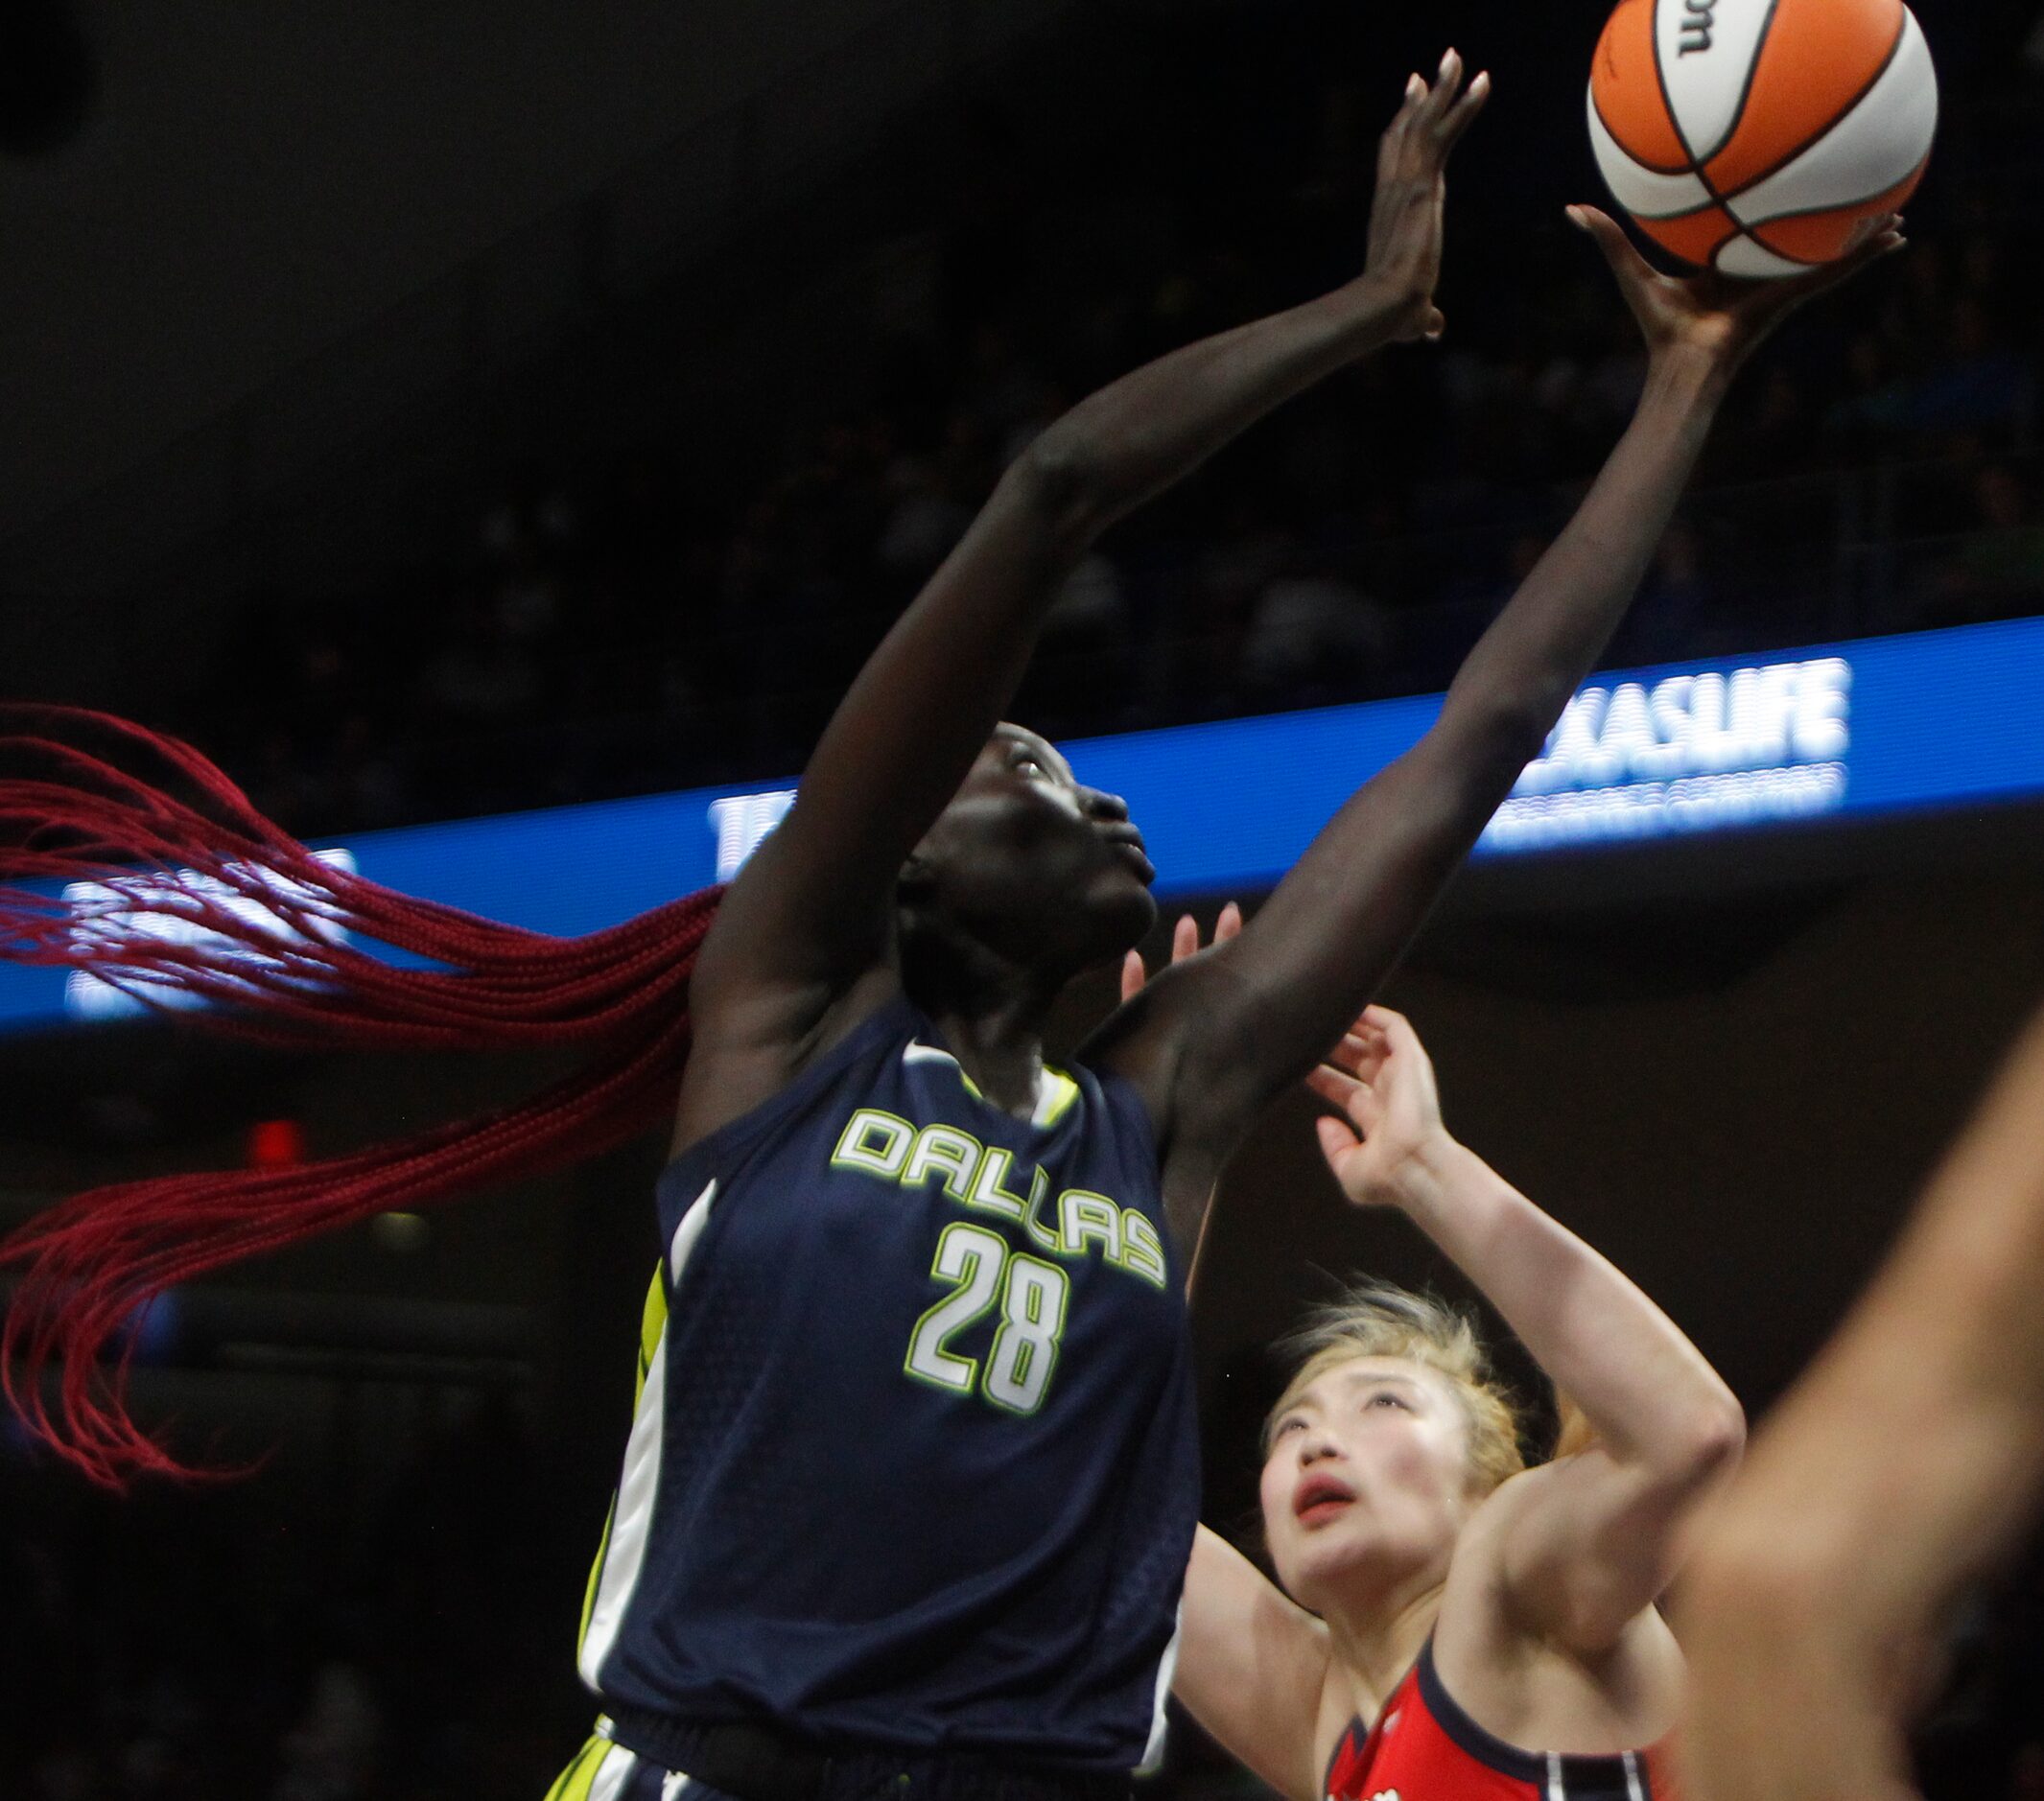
x: 1454, y: 1626
x: 914, y: 1476
x: 1903, y: 1466
x: 912, y: 1482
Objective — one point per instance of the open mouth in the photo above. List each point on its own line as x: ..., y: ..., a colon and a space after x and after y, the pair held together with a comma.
x: 1320, y: 1499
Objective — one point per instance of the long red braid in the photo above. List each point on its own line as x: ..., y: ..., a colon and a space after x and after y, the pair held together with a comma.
x: 92, y: 1262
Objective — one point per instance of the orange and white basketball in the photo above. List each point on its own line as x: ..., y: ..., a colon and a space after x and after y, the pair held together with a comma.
x: 1752, y: 136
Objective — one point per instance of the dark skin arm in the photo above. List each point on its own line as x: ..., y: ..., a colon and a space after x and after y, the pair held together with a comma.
x: 802, y: 945
x: 1214, y: 1039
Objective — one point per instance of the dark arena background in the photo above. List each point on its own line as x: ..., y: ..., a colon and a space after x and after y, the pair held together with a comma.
x: 442, y: 412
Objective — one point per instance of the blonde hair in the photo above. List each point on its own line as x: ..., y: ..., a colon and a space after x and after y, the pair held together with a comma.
x: 1381, y: 1320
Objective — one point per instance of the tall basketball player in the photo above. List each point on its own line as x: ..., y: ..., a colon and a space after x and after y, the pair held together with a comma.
x: 913, y: 1476
x: 912, y: 1482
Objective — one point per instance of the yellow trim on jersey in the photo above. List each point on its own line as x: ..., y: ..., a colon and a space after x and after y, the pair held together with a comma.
x: 575, y: 1782
x: 596, y: 1576
x: 652, y: 1322
x: 1060, y: 1092
x: 1055, y: 1089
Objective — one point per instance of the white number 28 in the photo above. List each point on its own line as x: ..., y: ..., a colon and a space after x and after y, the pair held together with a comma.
x: 1032, y: 1296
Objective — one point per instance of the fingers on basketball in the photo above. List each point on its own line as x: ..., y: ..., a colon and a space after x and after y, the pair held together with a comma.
x: 1619, y: 250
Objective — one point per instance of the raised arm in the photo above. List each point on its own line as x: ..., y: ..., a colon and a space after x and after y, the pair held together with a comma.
x: 1252, y: 1664
x: 1571, y: 1551
x: 1251, y: 1667
x: 812, y: 911
x: 1231, y: 1030
x: 1903, y: 1466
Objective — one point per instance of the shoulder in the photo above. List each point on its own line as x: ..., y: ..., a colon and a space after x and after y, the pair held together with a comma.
x: 1481, y: 1641
x: 1522, y: 1684
x: 741, y: 1073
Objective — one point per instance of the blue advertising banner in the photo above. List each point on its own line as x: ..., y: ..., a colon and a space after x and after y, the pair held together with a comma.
x: 1880, y: 726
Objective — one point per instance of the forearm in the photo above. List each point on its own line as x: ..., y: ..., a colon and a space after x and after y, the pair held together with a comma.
x: 1524, y: 668
x: 1340, y: 920
x: 911, y: 723
x: 1643, y: 1385
x: 1140, y: 434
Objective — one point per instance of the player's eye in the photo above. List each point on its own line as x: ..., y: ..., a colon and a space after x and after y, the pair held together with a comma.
x: 1293, y: 1424
x: 1384, y: 1397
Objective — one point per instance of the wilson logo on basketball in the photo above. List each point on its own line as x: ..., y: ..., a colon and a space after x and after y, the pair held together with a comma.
x: 1696, y: 29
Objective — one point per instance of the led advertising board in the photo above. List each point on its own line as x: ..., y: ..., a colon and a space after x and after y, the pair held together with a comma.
x: 1880, y: 726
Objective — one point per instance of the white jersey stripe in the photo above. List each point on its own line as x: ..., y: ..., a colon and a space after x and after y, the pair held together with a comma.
x: 612, y: 1774
x: 632, y: 1525
x: 1634, y: 1789
x: 686, y: 1235
x: 1166, y: 1668
x: 1557, y: 1790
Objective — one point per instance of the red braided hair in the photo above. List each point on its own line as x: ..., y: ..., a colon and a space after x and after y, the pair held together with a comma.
x: 275, y: 965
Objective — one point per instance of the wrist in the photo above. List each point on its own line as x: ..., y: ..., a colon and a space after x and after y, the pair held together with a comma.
x: 1429, y: 1171
x: 1371, y: 313
x: 1691, y: 375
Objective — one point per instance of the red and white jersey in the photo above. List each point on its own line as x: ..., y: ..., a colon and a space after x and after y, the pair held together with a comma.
x: 1424, y: 1747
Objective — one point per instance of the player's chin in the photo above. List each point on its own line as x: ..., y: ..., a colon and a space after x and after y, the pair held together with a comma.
x: 1120, y: 911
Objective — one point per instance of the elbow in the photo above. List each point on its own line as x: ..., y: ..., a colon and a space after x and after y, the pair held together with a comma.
x: 1709, y: 1444
x: 1058, y: 483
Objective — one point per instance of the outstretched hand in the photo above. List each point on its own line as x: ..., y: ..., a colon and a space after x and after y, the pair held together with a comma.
x: 1379, y: 1076
x: 1382, y: 1080
x: 1407, y: 216
x: 1725, y: 320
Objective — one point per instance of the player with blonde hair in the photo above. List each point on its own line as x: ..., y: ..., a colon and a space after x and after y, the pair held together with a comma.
x: 1447, y: 1622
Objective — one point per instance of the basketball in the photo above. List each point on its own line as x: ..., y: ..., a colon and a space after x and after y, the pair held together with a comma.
x: 1753, y: 137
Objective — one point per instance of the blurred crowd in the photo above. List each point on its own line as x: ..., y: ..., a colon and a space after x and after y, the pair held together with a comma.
x: 671, y: 612
x: 260, y: 1641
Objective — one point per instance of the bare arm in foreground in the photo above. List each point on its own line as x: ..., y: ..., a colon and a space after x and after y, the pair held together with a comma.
x: 1905, y: 1463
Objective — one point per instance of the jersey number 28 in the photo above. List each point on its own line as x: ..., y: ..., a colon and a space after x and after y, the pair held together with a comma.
x: 1031, y: 1295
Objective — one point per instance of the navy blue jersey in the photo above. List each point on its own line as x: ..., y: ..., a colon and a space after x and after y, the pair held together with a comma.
x: 914, y: 1461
